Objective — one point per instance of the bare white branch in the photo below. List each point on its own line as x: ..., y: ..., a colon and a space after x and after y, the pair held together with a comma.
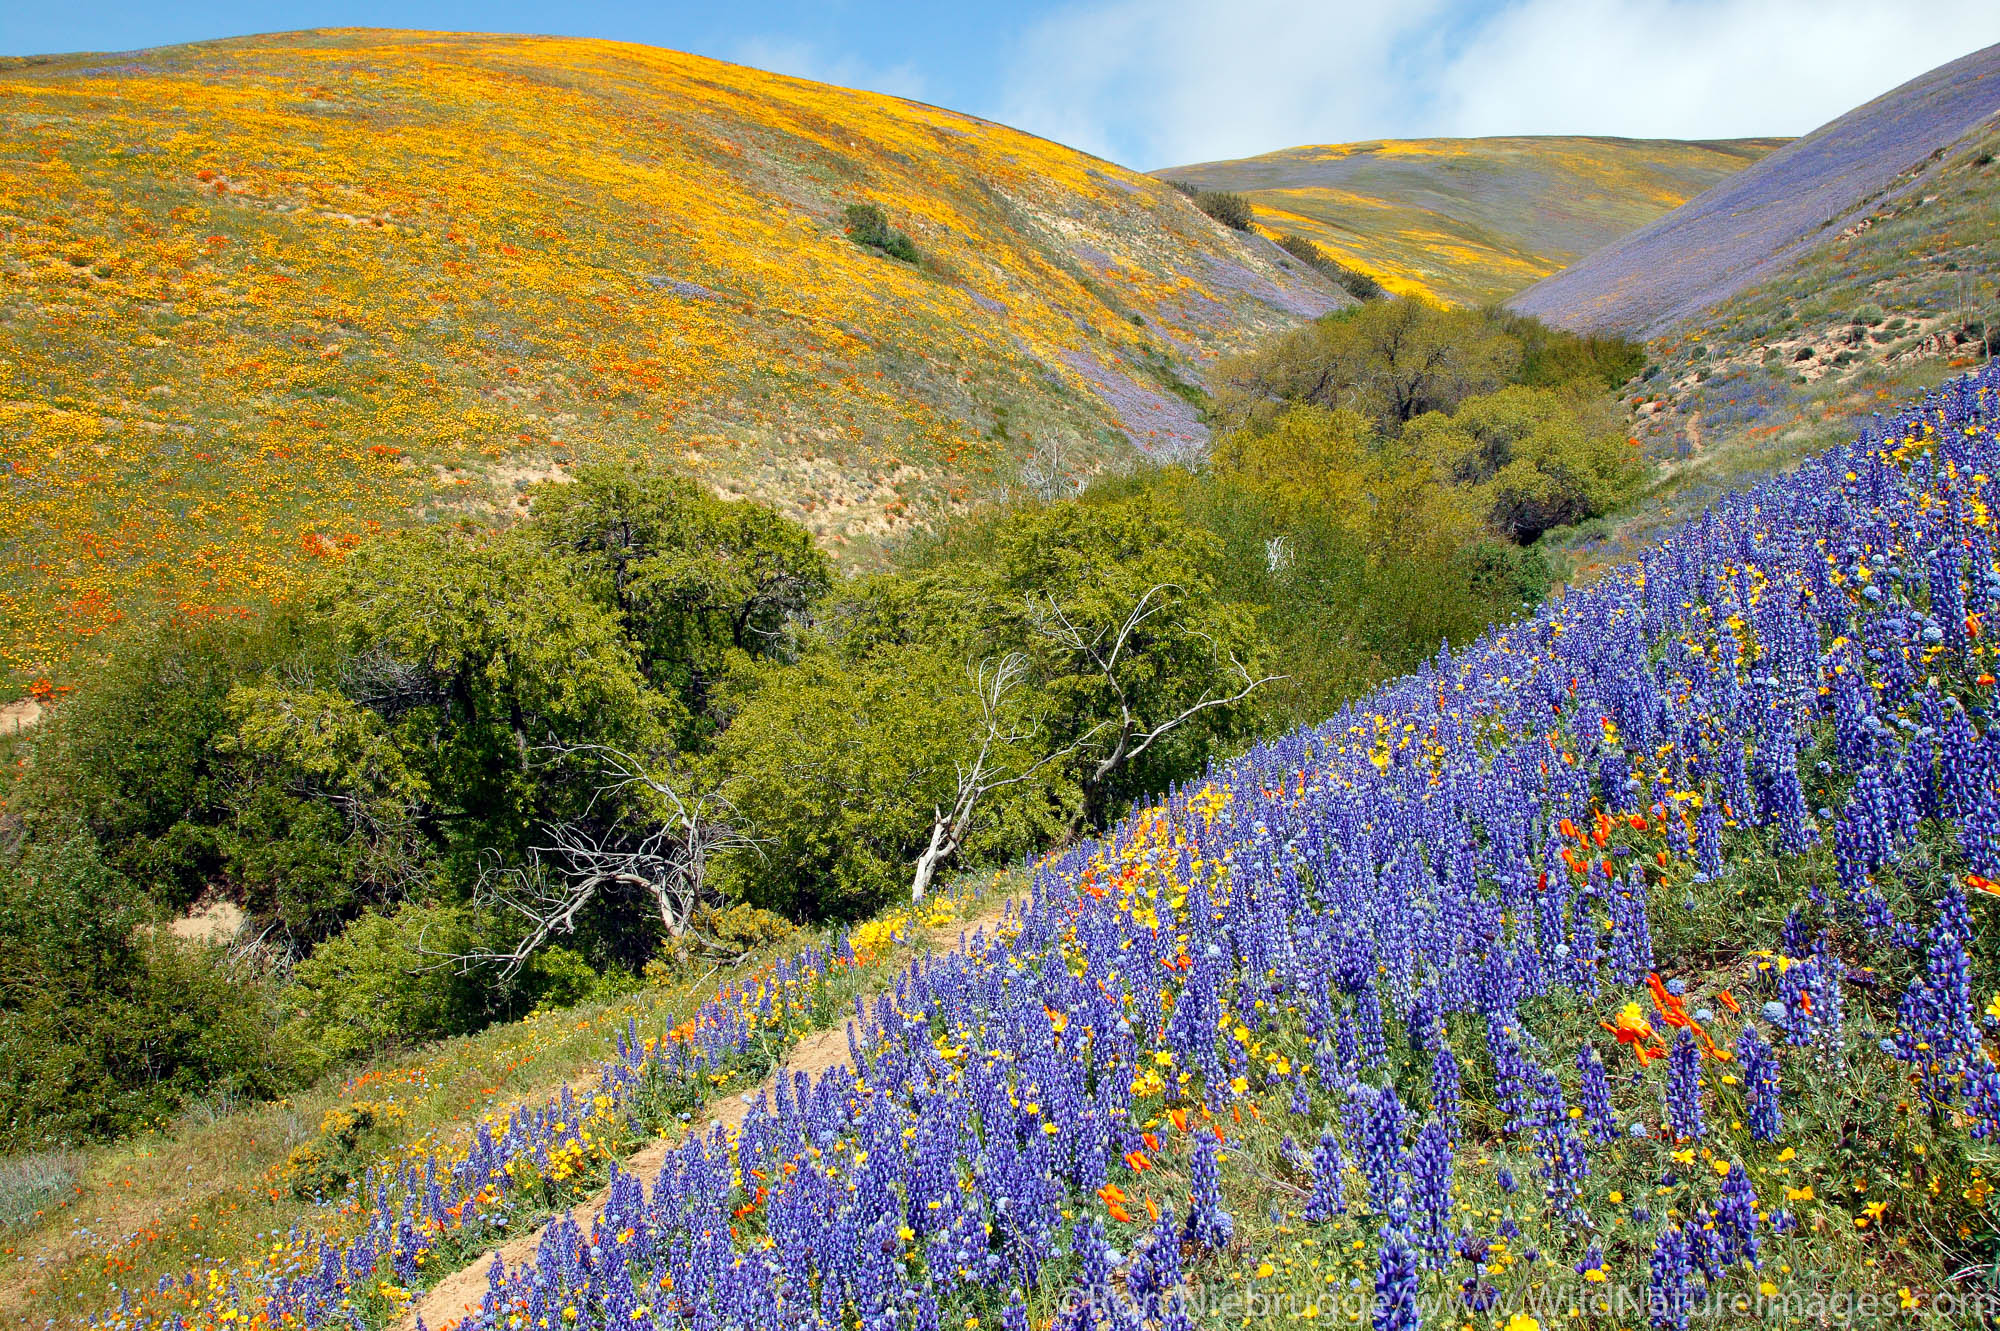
x: 665, y: 856
x: 1104, y: 649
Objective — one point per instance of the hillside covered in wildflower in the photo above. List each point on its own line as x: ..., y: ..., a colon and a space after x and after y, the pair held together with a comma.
x: 1755, y: 224
x: 264, y: 295
x: 1785, y: 307
x: 1627, y: 965
x: 1470, y: 220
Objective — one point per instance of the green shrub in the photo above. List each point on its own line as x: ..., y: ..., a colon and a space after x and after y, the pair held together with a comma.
x: 1391, y: 360
x: 1355, y: 282
x: 560, y: 977
x: 396, y: 978
x: 868, y: 226
x: 1231, y: 209
x: 731, y: 931
x: 106, y: 1024
x: 388, y: 981
x: 837, y: 765
x: 133, y: 755
x: 1531, y: 457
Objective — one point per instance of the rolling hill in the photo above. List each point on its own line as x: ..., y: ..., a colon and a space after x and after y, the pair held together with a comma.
x: 265, y: 295
x: 1471, y: 220
x: 1768, y: 217
x: 1853, y: 268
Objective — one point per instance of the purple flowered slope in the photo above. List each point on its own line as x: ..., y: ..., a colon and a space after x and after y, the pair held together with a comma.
x: 1158, y: 424
x: 1754, y: 224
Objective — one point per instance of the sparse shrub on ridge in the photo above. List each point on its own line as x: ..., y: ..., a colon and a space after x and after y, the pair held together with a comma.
x: 1225, y: 206
x: 1355, y: 282
x: 1229, y: 208
x: 867, y: 225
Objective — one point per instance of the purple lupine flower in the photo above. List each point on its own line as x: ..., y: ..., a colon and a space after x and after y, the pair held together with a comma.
x: 1936, y: 1029
x: 1684, y: 1086
x: 1208, y: 1225
x: 1708, y: 836
x: 1594, y: 1091
x: 1736, y: 1216
x: 1511, y: 1072
x: 1375, y: 1122
x: 1979, y: 834
x: 1396, y: 1281
x: 1445, y: 1084
x: 1982, y: 1095
x: 1155, y: 1270
x: 1760, y: 1084
x: 1329, y: 1193
x: 1668, y: 1298
x: 1430, y: 1167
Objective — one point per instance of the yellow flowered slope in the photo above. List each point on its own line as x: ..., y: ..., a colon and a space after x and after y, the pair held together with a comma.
x: 263, y: 295
x: 1472, y: 220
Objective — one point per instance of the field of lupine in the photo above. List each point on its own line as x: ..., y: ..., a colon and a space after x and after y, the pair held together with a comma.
x: 1629, y: 967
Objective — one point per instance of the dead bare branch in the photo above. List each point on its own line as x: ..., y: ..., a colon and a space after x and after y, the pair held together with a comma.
x: 664, y: 855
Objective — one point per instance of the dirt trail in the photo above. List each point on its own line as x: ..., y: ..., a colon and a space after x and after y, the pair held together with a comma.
x: 444, y: 1304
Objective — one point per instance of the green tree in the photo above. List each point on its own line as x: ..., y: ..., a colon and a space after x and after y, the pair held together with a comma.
x: 698, y: 583
x: 1391, y: 360
x: 1144, y: 665
x: 1307, y: 456
x: 1535, y: 459
x: 466, y: 668
x: 107, y: 1024
x: 133, y: 754
x: 839, y: 767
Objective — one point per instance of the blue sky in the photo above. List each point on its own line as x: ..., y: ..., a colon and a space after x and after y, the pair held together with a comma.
x: 1162, y: 82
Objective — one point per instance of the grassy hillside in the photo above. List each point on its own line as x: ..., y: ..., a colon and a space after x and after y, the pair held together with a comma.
x: 262, y: 295
x: 1471, y: 220
x: 1897, y: 295
x: 1766, y: 220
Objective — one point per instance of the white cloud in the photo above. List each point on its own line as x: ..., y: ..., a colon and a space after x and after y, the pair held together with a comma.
x: 1157, y: 84
x: 1154, y: 84
x: 1694, y: 68
x: 807, y: 61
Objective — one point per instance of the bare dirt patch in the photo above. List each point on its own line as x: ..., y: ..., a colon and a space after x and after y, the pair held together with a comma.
x: 20, y: 715
x: 216, y: 922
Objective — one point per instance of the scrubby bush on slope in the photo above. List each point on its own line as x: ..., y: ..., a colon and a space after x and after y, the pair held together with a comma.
x: 107, y: 1025
x: 1355, y: 282
x: 1633, y: 953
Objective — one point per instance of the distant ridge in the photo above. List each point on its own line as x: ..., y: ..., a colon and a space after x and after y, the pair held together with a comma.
x: 1754, y: 224
x: 1471, y: 220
